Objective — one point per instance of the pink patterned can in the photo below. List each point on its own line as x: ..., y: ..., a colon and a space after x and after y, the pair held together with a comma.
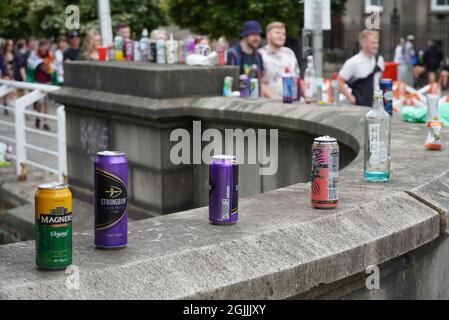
x: 325, y: 173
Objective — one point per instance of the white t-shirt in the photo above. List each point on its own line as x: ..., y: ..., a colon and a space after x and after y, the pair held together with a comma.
x: 274, y: 64
x: 398, y: 55
x: 361, y: 66
x: 59, y: 55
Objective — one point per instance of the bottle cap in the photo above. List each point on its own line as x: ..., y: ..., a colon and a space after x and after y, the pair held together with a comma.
x: 378, y: 94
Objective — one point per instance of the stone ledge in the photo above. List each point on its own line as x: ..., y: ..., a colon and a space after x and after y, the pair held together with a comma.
x: 147, y: 79
x: 272, y: 259
x: 281, y: 247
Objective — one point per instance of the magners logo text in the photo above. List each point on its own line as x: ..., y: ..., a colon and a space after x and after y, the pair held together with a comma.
x: 47, y: 219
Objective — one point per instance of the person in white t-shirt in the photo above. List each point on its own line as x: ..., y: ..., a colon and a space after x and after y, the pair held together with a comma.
x: 59, y: 57
x: 399, y: 59
x: 362, y: 72
x: 276, y: 58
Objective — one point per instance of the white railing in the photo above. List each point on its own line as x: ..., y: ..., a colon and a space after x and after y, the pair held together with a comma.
x: 34, y: 93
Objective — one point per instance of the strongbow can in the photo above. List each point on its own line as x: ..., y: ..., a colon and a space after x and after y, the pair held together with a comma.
x: 223, y: 190
x: 53, y: 226
x: 387, y: 87
x: 325, y: 173
x: 111, y: 199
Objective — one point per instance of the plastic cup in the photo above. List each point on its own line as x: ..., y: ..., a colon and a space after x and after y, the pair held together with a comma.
x: 102, y: 53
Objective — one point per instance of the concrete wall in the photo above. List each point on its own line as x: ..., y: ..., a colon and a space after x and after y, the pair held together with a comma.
x: 281, y: 247
x: 422, y: 274
x: 157, y: 186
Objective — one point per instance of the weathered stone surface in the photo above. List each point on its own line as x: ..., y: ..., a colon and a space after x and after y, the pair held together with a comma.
x: 436, y: 195
x: 279, y: 249
x: 148, y: 80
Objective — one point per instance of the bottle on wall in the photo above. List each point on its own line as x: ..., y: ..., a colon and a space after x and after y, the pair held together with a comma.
x: 310, y: 80
x: 377, y: 142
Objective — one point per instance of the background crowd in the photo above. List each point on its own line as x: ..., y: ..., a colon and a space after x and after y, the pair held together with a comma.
x: 417, y: 67
x: 42, y: 61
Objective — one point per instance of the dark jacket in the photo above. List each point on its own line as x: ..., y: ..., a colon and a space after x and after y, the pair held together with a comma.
x: 433, y: 56
x: 3, y: 71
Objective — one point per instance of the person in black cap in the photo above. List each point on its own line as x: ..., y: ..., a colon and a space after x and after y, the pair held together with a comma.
x: 245, y: 54
x: 72, y: 53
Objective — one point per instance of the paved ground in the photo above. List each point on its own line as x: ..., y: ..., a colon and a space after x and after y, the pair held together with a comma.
x: 41, y: 141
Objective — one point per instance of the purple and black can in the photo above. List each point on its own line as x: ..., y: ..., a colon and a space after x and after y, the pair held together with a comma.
x: 111, y: 200
x: 223, y: 190
x: 386, y: 85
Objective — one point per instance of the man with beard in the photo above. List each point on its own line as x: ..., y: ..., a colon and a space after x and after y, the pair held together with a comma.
x: 245, y: 54
x: 276, y: 59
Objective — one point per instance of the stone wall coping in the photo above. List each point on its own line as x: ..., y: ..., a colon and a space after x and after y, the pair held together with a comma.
x: 281, y: 247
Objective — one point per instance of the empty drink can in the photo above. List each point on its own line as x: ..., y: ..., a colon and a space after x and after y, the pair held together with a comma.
x: 386, y: 86
x: 254, y: 88
x: 433, y: 101
x: 433, y: 141
x: 325, y: 173
x: 153, y: 51
x: 129, y: 50
x: 223, y: 190
x: 244, y: 86
x: 53, y: 226
x: 227, y: 86
x: 111, y: 191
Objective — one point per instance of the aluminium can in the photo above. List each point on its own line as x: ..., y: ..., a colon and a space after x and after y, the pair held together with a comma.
x: 128, y: 49
x: 153, y: 51
x: 227, y: 86
x: 53, y: 226
x: 433, y: 101
x: 223, y: 190
x: 386, y: 85
x: 288, y: 84
x: 325, y: 173
x: 254, y: 88
x: 111, y: 200
x: 244, y: 86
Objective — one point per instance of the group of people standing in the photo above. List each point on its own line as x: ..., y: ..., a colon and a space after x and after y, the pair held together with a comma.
x: 361, y: 73
x: 270, y: 60
x: 412, y: 65
x: 41, y: 61
x: 359, y: 76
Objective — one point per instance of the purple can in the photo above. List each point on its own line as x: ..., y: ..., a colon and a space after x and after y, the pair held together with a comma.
x: 223, y: 190
x: 190, y: 46
x: 244, y: 86
x: 111, y: 199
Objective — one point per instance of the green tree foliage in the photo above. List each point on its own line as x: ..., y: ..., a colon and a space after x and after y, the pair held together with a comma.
x: 225, y: 17
x: 46, y: 18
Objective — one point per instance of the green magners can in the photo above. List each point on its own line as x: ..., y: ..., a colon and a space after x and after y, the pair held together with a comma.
x: 53, y: 225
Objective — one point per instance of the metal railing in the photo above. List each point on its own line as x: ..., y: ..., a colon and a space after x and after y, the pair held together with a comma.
x: 342, y: 42
x: 34, y: 93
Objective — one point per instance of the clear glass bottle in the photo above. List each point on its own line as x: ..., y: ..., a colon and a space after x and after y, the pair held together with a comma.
x: 144, y: 45
x: 310, y: 80
x: 377, y: 142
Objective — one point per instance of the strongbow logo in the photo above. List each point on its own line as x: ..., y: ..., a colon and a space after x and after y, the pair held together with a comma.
x: 114, y: 192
